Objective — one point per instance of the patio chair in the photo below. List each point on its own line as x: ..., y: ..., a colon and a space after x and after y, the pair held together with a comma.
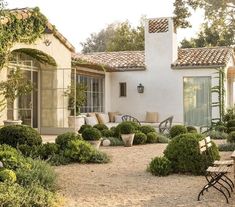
x: 165, y: 125
x: 130, y: 118
x: 216, y: 175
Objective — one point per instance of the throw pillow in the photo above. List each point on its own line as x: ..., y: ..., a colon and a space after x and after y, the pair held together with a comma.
x: 112, y: 116
x: 151, y: 117
x: 92, y: 120
x: 118, y: 118
x: 102, y: 118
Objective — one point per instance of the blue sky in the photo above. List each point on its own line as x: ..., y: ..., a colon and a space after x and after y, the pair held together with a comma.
x: 77, y: 19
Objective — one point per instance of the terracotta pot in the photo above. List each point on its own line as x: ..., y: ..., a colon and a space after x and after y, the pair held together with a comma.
x: 127, y: 139
x: 12, y: 122
x: 95, y: 143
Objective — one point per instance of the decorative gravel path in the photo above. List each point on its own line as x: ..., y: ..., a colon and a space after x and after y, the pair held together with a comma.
x: 125, y: 183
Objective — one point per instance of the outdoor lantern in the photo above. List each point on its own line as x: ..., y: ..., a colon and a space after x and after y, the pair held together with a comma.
x: 140, y: 88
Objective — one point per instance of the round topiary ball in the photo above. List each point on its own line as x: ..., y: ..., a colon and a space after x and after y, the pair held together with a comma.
x: 100, y: 127
x: 91, y: 134
x: 147, y: 128
x: 191, y: 129
x: 139, y: 138
x: 126, y: 128
x: 177, y: 130
x: 83, y: 127
x: 63, y: 139
x: 47, y: 150
x: 152, y: 137
x: 107, y: 133
x: 160, y: 166
x: 7, y: 175
x: 231, y: 137
x: 231, y: 123
x: 14, y: 135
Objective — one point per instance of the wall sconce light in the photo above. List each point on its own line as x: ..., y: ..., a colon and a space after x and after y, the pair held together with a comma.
x: 47, y: 42
x: 140, y: 88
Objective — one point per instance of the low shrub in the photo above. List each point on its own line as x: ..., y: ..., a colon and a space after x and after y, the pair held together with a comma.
x: 7, y: 175
x: 177, y: 130
x: 99, y: 157
x: 116, y: 131
x: 147, y: 128
x: 40, y: 172
x: 100, y: 127
x: 162, y: 138
x: 134, y: 124
x: 217, y: 135
x: 231, y: 129
x: 91, y: 134
x: 184, y: 154
x: 14, y: 135
x: 63, y: 139
x: 152, y: 137
x: 59, y: 159
x: 126, y: 128
x: 12, y: 194
x: 221, y: 128
x: 107, y: 133
x: 191, y: 129
x: 114, y: 141
x: 231, y: 137
x: 139, y: 138
x: 29, y: 151
x: 160, y: 166
x: 79, y: 151
x: 47, y: 150
x: 227, y: 147
x: 231, y: 123
x: 83, y: 127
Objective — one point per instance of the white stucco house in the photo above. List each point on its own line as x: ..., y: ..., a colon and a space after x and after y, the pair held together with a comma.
x: 176, y: 81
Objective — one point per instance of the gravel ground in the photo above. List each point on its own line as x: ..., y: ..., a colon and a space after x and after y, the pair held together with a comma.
x: 125, y: 182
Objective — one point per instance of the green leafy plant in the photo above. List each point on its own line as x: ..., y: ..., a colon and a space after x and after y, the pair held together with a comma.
x: 126, y: 128
x: 140, y: 138
x: 91, y: 134
x: 47, y: 150
x: 77, y: 97
x: 147, y: 128
x: 231, y: 137
x: 226, y: 147
x: 115, y: 141
x: 63, y: 139
x: 152, y: 137
x: 217, y: 134
x: 7, y: 175
x: 83, y: 127
x: 162, y: 138
x: 15, y: 86
x: 177, y: 130
x: 183, y: 152
x: 191, y: 129
x: 100, y: 126
x: 15, y: 135
x: 107, y: 133
x: 160, y: 166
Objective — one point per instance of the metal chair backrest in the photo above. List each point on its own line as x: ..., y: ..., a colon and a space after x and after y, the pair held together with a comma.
x: 130, y: 118
x: 165, y: 125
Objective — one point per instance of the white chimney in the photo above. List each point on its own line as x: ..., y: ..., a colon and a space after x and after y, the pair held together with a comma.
x: 160, y: 42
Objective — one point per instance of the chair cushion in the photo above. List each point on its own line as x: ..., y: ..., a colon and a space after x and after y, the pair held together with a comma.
x: 102, y: 118
x: 112, y: 116
x: 92, y: 120
x: 151, y: 117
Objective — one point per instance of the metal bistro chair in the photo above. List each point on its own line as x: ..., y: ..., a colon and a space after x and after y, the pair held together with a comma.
x: 130, y: 118
x: 216, y: 175
x: 165, y: 125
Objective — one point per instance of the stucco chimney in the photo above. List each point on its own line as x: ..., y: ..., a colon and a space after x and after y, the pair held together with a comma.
x: 160, y: 42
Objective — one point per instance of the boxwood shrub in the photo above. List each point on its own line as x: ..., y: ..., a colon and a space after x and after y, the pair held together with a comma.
x: 83, y: 127
x: 107, y: 133
x: 231, y: 137
x: 140, y: 138
x: 184, y: 154
x: 91, y: 134
x: 177, y: 130
x: 7, y: 175
x: 160, y: 166
x: 100, y: 127
x: 63, y: 139
x: 152, y: 137
x: 126, y: 128
x: 191, y: 129
x: 14, y: 135
x: 227, y: 147
x: 146, y: 129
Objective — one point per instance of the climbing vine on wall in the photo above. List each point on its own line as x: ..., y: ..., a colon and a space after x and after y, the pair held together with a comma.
x: 220, y: 91
x: 14, y: 29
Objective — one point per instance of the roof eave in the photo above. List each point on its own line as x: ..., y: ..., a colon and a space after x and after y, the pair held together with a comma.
x: 198, y: 67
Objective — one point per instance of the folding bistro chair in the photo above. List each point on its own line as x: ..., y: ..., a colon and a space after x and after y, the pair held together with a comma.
x: 165, y: 125
x: 216, y: 175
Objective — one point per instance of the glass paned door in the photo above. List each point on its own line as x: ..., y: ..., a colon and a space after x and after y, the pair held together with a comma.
x: 197, y: 101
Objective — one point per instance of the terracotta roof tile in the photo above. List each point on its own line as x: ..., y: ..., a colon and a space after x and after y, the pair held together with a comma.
x: 25, y: 13
x: 123, y: 60
x: 158, y: 25
x: 135, y: 60
x: 200, y: 57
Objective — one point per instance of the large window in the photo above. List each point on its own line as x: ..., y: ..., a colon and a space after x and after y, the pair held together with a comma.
x: 94, y: 93
x: 197, y: 101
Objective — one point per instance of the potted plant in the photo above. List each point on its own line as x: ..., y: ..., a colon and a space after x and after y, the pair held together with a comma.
x: 127, y: 133
x: 15, y: 86
x: 93, y: 136
x: 76, y: 99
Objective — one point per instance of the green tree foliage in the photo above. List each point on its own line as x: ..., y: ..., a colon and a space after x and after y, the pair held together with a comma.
x: 116, y: 37
x: 219, y: 26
